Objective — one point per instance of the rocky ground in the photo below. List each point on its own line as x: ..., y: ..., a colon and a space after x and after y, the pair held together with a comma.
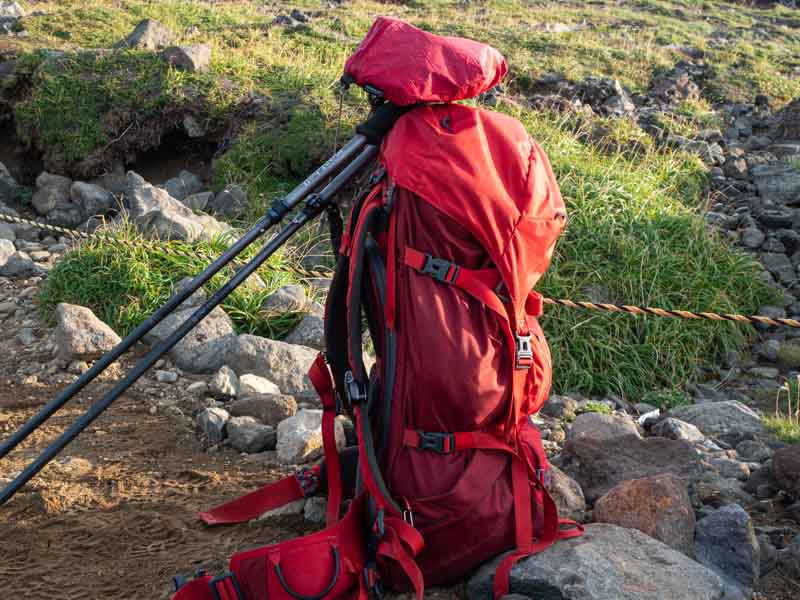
x: 691, y: 500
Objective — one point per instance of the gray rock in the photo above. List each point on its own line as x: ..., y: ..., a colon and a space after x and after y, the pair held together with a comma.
x: 761, y: 478
x: 19, y: 264
x: 92, y: 199
x: 788, y: 355
x: 205, y: 347
x: 248, y: 435
x: 52, y: 191
x: 309, y: 332
x: 729, y: 468
x: 769, y: 350
x: 289, y: 298
x: 166, y: 376
x: 599, y: 426
x: 199, y: 201
x: 716, y: 490
x: 568, y: 495
x: 315, y: 509
x: 153, y: 210
x: 7, y: 250
x: 599, y: 465
x: 786, y: 467
x: 764, y: 372
x: 768, y: 555
x: 148, y: 35
x: 11, y: 9
x: 230, y: 202
x: 559, y: 407
x: 193, y: 128
x: 285, y: 364
x: 251, y: 385
x: 754, y: 451
x: 10, y: 190
x: 780, y: 183
x: 606, y: 563
x: 189, y: 58
x: 725, y: 542
x: 752, y: 237
x: 212, y: 421
x: 789, y: 559
x: 300, y: 437
x: 224, y: 384
x: 80, y: 335
x: 292, y: 508
x: 270, y: 409
x: 729, y: 420
x: 196, y: 299
x: 780, y: 266
x: 675, y: 429
x: 7, y: 232
x: 26, y: 337
x: 184, y: 185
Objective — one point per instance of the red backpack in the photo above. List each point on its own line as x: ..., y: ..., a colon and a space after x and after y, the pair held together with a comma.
x: 441, y: 254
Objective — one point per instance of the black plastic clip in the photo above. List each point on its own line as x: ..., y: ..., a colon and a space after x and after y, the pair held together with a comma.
x: 355, y: 391
x: 278, y: 210
x: 442, y: 443
x: 440, y: 269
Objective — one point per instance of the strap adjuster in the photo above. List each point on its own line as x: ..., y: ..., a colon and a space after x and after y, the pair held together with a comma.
x: 545, y: 477
x: 440, y: 269
x: 355, y: 391
x: 442, y: 443
x: 524, y: 352
x: 219, y: 583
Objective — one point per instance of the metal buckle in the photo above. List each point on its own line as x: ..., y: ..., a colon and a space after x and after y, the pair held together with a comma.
x: 524, y: 352
x: 439, y: 268
x: 434, y: 441
x: 214, y: 585
x: 355, y: 391
x: 408, y: 514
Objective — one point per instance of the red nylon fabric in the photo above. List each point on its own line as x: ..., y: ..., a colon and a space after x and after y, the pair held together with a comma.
x: 410, y: 65
x: 482, y: 170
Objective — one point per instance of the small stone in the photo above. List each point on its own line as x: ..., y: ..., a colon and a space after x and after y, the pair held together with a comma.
x: 78, y: 367
x: 166, y: 376
x: 658, y: 506
x: 754, y: 451
x: 315, y: 509
x: 148, y: 35
x: 788, y: 355
x: 93, y: 199
x: 675, y: 429
x: 752, y: 237
x: 251, y: 385
x: 224, y: 384
x: 248, y: 435
x: 81, y: 335
x: 198, y: 201
x: 769, y: 350
x: 568, y: 495
x: 726, y: 543
x: 26, y: 336
x: 768, y: 555
x: 184, y: 185
x: 189, y: 58
x: 198, y: 388
x: 193, y: 128
x: 212, y: 421
x: 786, y: 466
x: 599, y: 426
x: 230, y: 202
x: 289, y: 298
x: 729, y: 420
x: 300, y: 437
x: 764, y: 372
x: 309, y: 332
x: 270, y: 409
x: 295, y: 507
x: 299, y: 15
x: 560, y: 407
x: 728, y: 468
x: 789, y: 559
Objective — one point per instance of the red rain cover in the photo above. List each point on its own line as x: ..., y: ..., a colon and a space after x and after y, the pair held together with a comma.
x: 410, y: 65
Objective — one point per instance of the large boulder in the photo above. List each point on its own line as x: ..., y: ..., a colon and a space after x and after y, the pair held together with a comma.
x: 154, y: 211
x: 658, y: 506
x: 729, y: 420
x: 205, y: 348
x: 309, y: 332
x: 606, y: 563
x: 599, y: 465
x: 599, y: 426
x: 726, y: 542
x: 300, y: 437
x: 148, y: 35
x: 285, y: 364
x: 80, y: 335
x: 786, y: 466
x: 270, y: 409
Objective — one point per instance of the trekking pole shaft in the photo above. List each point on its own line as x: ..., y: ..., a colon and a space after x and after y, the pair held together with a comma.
x: 295, y: 196
x: 198, y: 315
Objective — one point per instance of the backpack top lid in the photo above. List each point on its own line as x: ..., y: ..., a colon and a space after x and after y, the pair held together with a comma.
x: 409, y: 65
x: 483, y: 170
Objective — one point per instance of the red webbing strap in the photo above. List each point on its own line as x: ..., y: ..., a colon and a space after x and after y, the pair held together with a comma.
x: 401, y: 543
x: 321, y: 380
x: 478, y: 283
x: 256, y: 503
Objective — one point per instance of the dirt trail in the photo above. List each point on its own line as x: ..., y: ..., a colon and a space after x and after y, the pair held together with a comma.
x: 114, y: 515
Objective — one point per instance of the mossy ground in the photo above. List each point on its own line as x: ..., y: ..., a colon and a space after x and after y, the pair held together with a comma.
x: 636, y: 232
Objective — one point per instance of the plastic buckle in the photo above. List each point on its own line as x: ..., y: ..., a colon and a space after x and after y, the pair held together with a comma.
x: 214, y: 584
x: 435, y: 441
x: 524, y: 352
x: 355, y: 391
x: 439, y: 269
x: 545, y: 477
x: 308, y: 480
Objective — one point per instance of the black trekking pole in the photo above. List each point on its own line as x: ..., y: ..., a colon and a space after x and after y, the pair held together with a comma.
x: 314, y: 206
x: 276, y: 213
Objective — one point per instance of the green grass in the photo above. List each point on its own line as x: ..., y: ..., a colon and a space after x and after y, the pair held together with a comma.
x: 636, y: 233
x: 598, y: 407
x: 784, y: 422
x: 124, y: 280
x: 784, y: 429
x: 667, y: 398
